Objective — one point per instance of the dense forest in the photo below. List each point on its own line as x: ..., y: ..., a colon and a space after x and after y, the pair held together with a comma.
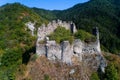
x: 104, y: 14
x: 16, y: 42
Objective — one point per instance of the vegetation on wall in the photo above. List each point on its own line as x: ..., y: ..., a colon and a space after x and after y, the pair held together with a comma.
x: 61, y: 34
x: 85, y: 36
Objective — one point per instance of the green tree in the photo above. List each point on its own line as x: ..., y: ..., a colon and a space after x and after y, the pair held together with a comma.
x: 94, y: 76
x: 111, y: 72
x: 11, y: 57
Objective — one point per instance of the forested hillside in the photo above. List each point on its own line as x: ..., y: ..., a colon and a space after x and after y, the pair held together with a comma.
x: 47, y: 14
x: 104, y: 14
x: 15, y: 40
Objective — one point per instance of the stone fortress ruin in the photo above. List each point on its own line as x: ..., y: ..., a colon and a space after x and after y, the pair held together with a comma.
x: 45, y: 30
x: 66, y: 52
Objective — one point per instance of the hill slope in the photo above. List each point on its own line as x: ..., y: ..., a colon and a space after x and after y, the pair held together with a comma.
x: 15, y: 40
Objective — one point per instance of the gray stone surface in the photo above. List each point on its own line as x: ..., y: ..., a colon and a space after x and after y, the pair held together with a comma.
x: 54, y: 51
x: 30, y: 26
x: 40, y: 49
x: 67, y: 52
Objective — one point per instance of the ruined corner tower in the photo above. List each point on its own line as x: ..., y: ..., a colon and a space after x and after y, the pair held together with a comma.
x: 96, y: 33
x: 73, y: 28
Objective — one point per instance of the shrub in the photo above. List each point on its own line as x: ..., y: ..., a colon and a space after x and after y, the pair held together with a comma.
x: 111, y: 72
x: 60, y: 34
x: 94, y: 76
x: 85, y: 36
x: 46, y: 77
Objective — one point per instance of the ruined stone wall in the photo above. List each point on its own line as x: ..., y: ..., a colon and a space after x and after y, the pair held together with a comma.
x: 78, y: 51
x: 45, y: 30
x: 71, y: 53
x: 65, y: 51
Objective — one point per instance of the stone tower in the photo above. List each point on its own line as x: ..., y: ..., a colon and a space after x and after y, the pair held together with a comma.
x: 73, y: 28
x: 96, y: 33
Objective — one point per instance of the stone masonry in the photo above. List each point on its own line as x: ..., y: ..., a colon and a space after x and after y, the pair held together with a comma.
x: 65, y: 51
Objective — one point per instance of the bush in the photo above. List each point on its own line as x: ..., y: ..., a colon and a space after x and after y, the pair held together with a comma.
x: 111, y: 72
x: 34, y: 57
x: 85, y: 36
x: 11, y: 57
x: 46, y: 77
x: 61, y: 34
x: 94, y: 76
